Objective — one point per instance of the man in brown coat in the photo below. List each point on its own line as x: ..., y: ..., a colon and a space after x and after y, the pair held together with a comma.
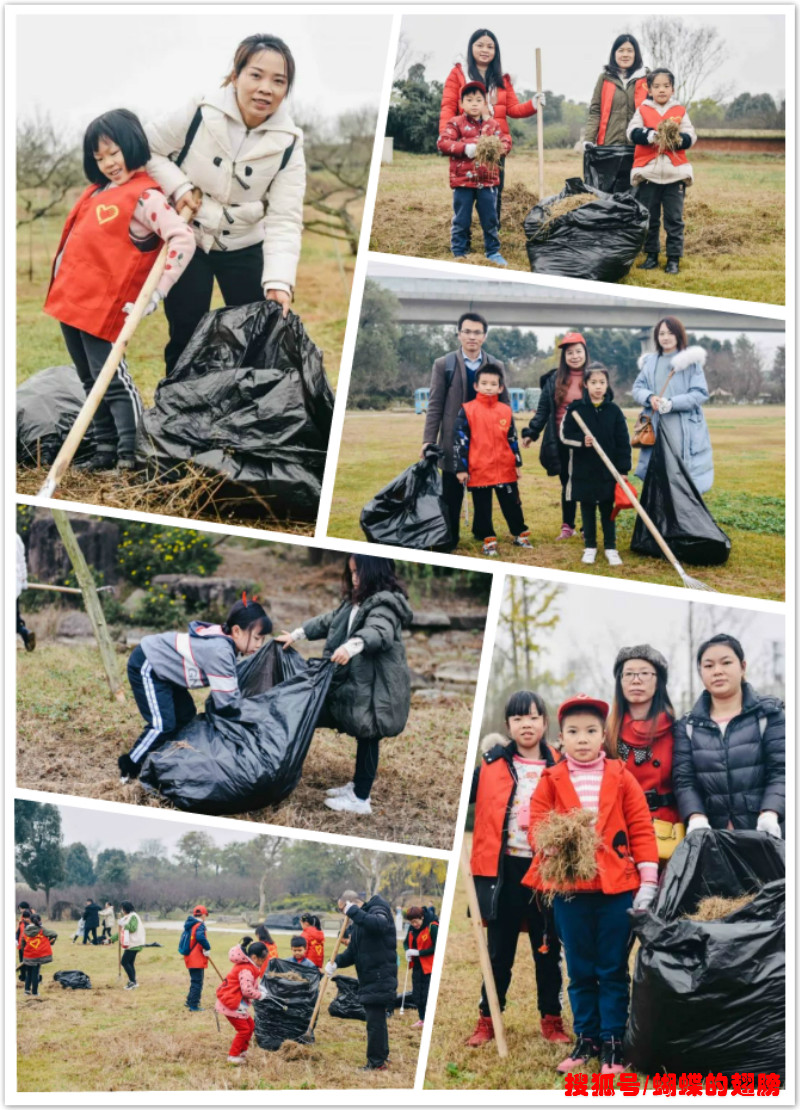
x: 452, y: 385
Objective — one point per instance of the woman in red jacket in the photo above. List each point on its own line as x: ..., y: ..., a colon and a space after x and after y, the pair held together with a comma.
x: 640, y: 728
x: 315, y: 938
x: 483, y: 64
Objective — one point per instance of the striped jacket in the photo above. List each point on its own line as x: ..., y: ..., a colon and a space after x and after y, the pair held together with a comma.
x: 203, y: 656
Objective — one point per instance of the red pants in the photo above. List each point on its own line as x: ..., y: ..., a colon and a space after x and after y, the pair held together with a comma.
x: 245, y: 1027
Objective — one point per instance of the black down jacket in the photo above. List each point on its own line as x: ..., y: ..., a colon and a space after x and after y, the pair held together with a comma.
x: 91, y: 916
x: 544, y: 420
x: 371, y: 695
x: 589, y: 477
x: 735, y: 775
x: 373, y: 951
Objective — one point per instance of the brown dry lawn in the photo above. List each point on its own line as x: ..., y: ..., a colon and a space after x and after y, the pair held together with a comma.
x: 748, y: 493
x: 110, y: 1039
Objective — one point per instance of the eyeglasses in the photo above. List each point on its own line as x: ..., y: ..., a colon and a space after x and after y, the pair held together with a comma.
x: 472, y: 334
x: 629, y: 676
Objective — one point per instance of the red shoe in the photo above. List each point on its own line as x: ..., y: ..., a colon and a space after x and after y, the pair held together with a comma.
x: 484, y: 1032
x: 553, y: 1029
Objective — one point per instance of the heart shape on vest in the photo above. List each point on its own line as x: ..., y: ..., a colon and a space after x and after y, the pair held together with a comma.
x: 106, y: 212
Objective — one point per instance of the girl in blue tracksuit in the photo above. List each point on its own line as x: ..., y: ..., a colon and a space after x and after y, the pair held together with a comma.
x: 164, y: 667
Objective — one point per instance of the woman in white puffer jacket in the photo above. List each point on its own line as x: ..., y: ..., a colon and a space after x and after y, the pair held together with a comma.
x: 241, y: 149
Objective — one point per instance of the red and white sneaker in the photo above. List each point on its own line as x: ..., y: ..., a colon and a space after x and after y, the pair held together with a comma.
x: 612, y: 1057
x: 418, y: 1025
x: 585, y: 1050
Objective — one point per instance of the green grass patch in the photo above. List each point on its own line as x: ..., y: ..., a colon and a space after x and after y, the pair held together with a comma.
x: 764, y: 515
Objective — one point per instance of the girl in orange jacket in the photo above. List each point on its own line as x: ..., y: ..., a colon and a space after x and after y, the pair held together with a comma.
x: 592, y: 915
x: 315, y: 939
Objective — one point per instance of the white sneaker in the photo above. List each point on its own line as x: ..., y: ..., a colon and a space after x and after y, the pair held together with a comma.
x: 124, y: 780
x: 613, y: 557
x: 350, y: 804
x: 589, y: 554
x: 340, y: 791
x: 236, y: 1060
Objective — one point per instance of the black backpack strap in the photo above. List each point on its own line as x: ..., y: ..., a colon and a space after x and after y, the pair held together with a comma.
x: 190, y: 134
x: 450, y: 365
x: 287, y: 154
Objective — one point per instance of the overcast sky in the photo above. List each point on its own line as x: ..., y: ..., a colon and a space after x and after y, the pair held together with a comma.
x: 575, y: 47
x: 127, y: 830
x: 77, y: 66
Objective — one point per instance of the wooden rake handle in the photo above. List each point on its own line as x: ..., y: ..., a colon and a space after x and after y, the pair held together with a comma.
x: 483, y: 954
x: 540, y: 125
x: 326, y: 978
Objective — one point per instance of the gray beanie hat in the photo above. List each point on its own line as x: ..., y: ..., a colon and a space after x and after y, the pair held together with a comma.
x: 642, y: 651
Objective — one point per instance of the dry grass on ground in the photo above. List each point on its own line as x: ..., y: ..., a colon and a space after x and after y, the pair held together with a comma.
x: 735, y: 229
x: 110, y: 1039
x: 747, y: 499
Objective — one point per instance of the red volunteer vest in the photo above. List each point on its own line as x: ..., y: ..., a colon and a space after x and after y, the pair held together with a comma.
x: 36, y: 948
x: 606, y: 99
x: 315, y: 939
x: 495, y: 786
x: 272, y: 951
x: 197, y: 955
x: 651, y: 119
x: 229, y: 992
x: 423, y: 940
x: 491, y: 460
x: 100, y: 268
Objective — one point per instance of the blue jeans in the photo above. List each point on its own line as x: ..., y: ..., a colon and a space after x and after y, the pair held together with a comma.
x: 195, y: 987
x: 486, y: 201
x: 594, y: 930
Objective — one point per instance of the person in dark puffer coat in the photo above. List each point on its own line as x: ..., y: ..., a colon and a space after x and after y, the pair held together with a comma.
x: 370, y: 695
x: 373, y: 951
x: 729, y: 754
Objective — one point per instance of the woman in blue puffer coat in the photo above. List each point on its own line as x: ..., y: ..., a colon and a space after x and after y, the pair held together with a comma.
x: 678, y: 414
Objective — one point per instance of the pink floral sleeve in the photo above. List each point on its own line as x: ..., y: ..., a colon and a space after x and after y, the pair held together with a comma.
x: 154, y: 215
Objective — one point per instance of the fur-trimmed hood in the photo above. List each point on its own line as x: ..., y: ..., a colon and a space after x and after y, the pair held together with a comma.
x: 493, y: 740
x: 682, y: 360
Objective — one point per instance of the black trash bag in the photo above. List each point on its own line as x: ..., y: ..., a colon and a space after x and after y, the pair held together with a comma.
x: 47, y: 405
x: 608, y: 168
x: 672, y: 501
x: 345, y: 1004
x: 248, y: 400
x: 285, y: 1014
x: 709, y: 996
x: 598, y: 242
x: 409, y: 1004
x: 220, y: 765
x: 410, y: 511
x: 74, y: 980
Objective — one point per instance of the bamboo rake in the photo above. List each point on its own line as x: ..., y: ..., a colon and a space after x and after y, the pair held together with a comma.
x: 540, y: 124
x: 483, y: 954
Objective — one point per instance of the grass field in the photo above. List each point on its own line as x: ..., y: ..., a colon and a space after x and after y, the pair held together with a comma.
x: 747, y: 499
x: 110, y: 1039
x: 735, y: 232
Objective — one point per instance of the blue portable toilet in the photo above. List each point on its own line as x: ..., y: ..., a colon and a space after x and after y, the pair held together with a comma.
x: 517, y: 400
x: 421, y: 400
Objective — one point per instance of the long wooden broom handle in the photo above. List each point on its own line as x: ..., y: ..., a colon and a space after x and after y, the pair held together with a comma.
x: 483, y: 954
x: 540, y: 125
x: 326, y: 978
x: 115, y: 355
x: 662, y: 543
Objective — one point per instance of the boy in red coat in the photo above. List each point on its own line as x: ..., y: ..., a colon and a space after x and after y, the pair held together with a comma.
x: 487, y: 458
x: 592, y: 915
x: 473, y: 184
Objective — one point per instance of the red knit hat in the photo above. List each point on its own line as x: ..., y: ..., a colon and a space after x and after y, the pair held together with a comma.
x: 582, y: 701
x: 571, y: 337
x: 472, y: 86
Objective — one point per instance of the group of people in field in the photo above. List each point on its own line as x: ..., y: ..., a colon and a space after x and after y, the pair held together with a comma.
x: 650, y: 778
x: 368, y: 943
x: 469, y: 418
x: 628, y: 104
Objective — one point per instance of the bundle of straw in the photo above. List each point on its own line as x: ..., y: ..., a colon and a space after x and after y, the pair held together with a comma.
x: 489, y: 151
x: 568, y: 844
x: 561, y: 207
x: 715, y: 907
x: 669, y: 135
x: 295, y: 976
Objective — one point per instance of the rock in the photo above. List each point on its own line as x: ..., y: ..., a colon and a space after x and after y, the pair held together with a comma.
x: 203, y: 592
x: 468, y: 622
x: 97, y: 539
x: 75, y: 625
x: 431, y: 620
x: 431, y: 696
x: 133, y: 601
x: 457, y: 674
x: 418, y: 681
x: 134, y: 636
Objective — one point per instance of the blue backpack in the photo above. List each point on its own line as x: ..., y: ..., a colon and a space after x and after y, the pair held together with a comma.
x: 185, y: 944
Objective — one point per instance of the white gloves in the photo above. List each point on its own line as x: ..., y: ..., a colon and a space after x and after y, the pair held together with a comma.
x: 263, y: 993
x: 331, y: 968
x: 411, y: 953
x: 645, y: 896
x: 652, y: 138
x: 348, y: 906
x: 539, y: 100
x: 768, y: 823
x: 664, y: 406
x: 697, y: 821
x: 152, y: 305
x: 470, y: 150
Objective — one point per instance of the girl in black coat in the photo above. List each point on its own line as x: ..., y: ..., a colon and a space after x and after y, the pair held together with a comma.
x: 729, y: 757
x: 590, y: 481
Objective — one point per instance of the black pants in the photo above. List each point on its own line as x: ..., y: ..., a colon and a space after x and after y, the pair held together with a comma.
x: 514, y: 909
x: 510, y: 506
x: 377, y: 1036
x: 589, y: 519
x: 500, y: 185
x: 238, y: 275
x: 22, y: 628
x: 106, y: 931
x: 453, y: 497
x: 666, y: 199
x: 420, y: 985
x: 196, y: 976
x: 367, y: 756
x: 32, y: 978
x: 567, y: 507
x: 128, y: 960
x: 93, y: 930
x: 115, y: 422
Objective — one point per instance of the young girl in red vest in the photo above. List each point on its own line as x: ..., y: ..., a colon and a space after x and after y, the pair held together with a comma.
x: 240, y: 987
x: 592, y: 915
x: 315, y: 939
x: 263, y: 934
x: 487, y: 458
x: 36, y: 949
x: 661, y: 177
x: 420, y: 946
x: 502, y: 787
x: 108, y: 247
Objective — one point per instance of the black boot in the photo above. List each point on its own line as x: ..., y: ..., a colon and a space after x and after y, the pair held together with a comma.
x: 29, y: 640
x: 127, y: 769
x: 650, y: 263
x: 672, y: 266
x: 104, y: 458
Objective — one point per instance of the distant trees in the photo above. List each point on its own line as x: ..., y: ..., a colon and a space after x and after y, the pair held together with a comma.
x: 78, y: 869
x: 693, y: 53
x: 38, y: 852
